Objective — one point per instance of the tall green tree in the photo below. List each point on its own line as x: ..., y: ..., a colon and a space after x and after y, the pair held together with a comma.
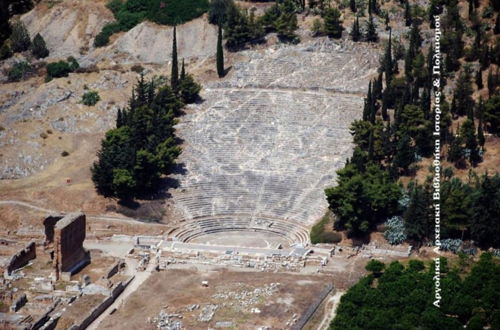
x: 332, y: 23
x: 371, y: 31
x: 362, y: 198
x: 485, y: 227
x: 463, y: 94
x: 174, y: 75
x: 20, y: 38
x: 388, y: 65
x: 355, y: 32
x: 418, y: 216
x: 352, y: 6
x: 39, y: 48
x: 220, y: 54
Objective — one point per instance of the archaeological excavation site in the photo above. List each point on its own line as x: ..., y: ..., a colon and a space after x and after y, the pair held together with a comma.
x: 220, y: 164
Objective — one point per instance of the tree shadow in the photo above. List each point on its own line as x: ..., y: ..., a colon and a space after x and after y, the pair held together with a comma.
x: 226, y: 70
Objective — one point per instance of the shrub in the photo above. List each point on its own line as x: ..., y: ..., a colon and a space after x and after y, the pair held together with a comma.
x: 453, y: 245
x: 64, y: 153
x: 137, y: 68
x: 19, y: 71
x: 102, y: 38
x: 58, y: 69
x: 131, y: 12
x: 39, y: 48
x: 5, y: 51
x: 395, y: 230
x: 20, y: 38
x: 375, y: 266
x: 61, y: 68
x: 73, y: 63
x: 114, y: 5
x: 317, y: 27
x: 90, y: 98
x: 176, y: 12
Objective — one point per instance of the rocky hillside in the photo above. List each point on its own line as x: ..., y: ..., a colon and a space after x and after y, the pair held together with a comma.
x: 70, y: 27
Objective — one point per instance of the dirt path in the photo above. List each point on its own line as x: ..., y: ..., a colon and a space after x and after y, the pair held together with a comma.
x: 331, y: 309
x: 140, y: 277
x: 93, y: 217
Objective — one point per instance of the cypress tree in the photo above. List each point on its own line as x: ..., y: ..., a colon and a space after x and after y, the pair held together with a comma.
x: 405, y: 154
x: 174, y: 76
x: 368, y: 103
x: 469, y: 136
x: 220, y: 54
x: 377, y: 87
x: 371, y: 30
x: 39, y: 48
x: 352, y: 5
x: 119, y: 119
x: 355, y: 33
x: 388, y: 67
x: 480, y: 115
x: 480, y: 133
x: 497, y: 25
x: 463, y: 94
x: 20, y: 38
x: 479, y: 79
x: 183, y: 71
x: 471, y: 9
x: 408, y: 18
x: 491, y: 83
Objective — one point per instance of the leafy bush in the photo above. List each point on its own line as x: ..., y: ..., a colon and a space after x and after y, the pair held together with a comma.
x: 5, y: 51
x: 452, y: 245
x: 115, y: 5
x: 64, y: 153
x: 20, y: 38
x: 73, y: 63
x: 58, y: 69
x: 176, y: 12
x: 19, y: 71
x: 102, y: 38
x: 90, y: 98
x: 39, y: 48
x: 402, y: 297
x: 137, y: 68
x: 395, y: 230
x: 131, y: 12
x: 61, y: 68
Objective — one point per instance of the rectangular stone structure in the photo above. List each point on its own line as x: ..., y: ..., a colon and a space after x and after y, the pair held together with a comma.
x: 69, y: 254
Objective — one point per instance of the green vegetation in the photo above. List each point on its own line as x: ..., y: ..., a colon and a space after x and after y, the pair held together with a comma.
x: 129, y: 13
x: 320, y: 235
x: 394, y: 135
x: 5, y: 51
x: 363, y: 196
x: 143, y: 147
x: 401, y: 297
x: 19, y: 71
x: 61, y: 68
x: 39, y: 48
x: 220, y: 55
x: 20, y: 38
x: 90, y: 98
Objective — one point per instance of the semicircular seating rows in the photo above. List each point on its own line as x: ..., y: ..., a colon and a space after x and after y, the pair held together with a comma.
x: 267, y: 141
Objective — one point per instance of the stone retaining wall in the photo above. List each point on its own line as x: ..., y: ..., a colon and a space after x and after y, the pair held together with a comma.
x: 21, y: 258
